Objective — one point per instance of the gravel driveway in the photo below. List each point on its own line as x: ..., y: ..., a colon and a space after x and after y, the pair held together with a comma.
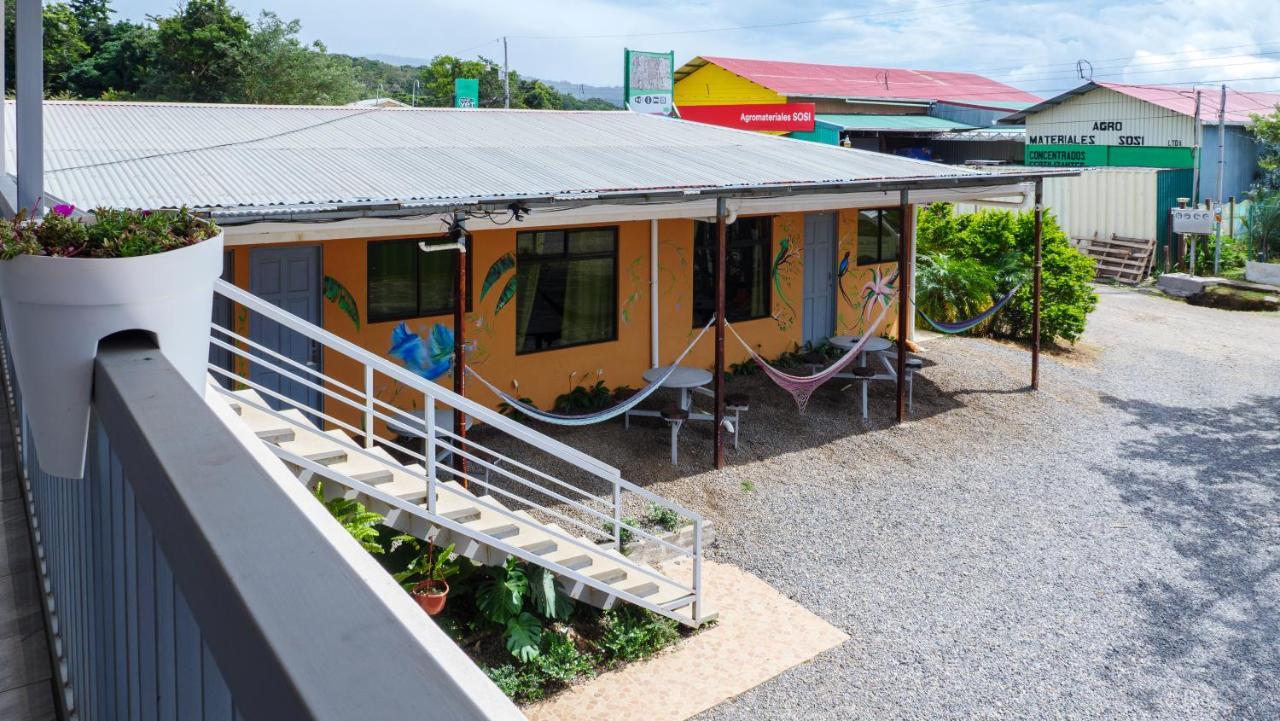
x: 1107, y: 548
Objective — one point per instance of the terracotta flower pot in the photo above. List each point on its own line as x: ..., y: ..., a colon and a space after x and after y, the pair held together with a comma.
x: 431, y: 596
x: 57, y: 309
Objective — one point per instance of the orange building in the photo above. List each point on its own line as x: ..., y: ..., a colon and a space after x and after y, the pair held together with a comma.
x: 591, y: 234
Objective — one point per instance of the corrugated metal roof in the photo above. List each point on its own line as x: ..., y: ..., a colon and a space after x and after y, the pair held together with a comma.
x: 1240, y: 103
x: 891, y: 123
x: 849, y: 81
x: 155, y: 155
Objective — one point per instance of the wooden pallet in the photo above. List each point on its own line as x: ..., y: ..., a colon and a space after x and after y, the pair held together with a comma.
x: 1127, y: 260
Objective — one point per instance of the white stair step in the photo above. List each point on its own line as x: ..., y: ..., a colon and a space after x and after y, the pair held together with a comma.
x: 270, y: 427
x: 360, y: 467
x: 314, y: 447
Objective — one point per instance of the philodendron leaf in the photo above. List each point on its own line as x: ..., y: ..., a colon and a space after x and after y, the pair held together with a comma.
x: 550, y: 601
x: 524, y: 636
x: 501, y: 595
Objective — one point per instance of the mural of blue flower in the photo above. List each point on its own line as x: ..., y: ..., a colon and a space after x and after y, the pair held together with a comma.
x: 429, y: 359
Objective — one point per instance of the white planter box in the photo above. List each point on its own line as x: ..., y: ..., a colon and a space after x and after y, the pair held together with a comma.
x: 57, y: 309
x: 1268, y: 273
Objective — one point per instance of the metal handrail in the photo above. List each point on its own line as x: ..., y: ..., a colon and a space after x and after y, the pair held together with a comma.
x: 441, y: 439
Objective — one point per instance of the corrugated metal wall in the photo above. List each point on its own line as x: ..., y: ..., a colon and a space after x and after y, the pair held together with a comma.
x: 1076, y: 117
x: 1242, y: 162
x: 1105, y: 201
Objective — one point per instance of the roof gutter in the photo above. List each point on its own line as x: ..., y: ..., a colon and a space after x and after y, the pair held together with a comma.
x: 345, y: 211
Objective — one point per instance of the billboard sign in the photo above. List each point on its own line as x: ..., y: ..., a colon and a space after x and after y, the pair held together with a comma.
x: 1193, y: 220
x: 466, y: 93
x: 784, y: 117
x: 649, y: 81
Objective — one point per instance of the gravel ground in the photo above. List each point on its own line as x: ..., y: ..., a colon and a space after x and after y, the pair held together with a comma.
x: 1106, y: 548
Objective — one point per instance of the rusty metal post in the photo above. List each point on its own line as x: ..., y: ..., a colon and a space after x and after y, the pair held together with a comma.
x: 721, y: 253
x: 459, y: 341
x: 1035, y: 283
x: 904, y: 295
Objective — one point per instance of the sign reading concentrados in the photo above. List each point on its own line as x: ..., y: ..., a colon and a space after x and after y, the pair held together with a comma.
x: 649, y: 80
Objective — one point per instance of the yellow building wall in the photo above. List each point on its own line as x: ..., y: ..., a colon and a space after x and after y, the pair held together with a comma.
x: 713, y: 85
x: 544, y: 375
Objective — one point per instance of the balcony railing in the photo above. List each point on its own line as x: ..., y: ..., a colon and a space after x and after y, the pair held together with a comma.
x: 190, y: 576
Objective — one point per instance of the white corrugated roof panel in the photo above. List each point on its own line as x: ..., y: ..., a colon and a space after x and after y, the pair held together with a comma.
x: 155, y: 155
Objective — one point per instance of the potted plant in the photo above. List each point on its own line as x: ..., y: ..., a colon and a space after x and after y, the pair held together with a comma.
x: 69, y: 279
x: 425, y: 577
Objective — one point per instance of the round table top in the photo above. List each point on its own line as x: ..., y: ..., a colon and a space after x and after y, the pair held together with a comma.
x: 682, y: 377
x: 875, y: 345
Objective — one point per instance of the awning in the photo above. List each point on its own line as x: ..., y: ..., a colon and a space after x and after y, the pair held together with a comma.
x: 894, y: 123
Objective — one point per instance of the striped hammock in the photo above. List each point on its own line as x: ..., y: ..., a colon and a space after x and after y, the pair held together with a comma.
x: 801, y: 388
x: 961, y: 326
x: 586, y: 419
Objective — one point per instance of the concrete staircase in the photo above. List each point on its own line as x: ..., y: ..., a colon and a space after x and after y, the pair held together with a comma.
x: 481, y: 527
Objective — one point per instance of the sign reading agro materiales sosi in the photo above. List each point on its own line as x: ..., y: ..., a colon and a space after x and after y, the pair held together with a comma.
x: 786, y: 117
x: 649, y: 81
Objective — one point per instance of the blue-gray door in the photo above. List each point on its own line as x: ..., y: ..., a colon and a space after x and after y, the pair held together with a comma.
x: 289, y: 278
x: 219, y: 356
x: 819, y: 277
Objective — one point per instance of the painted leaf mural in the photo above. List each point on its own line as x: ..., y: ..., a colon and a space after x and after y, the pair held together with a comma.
x: 508, y: 292
x: 337, y: 293
x: 495, y: 273
x: 427, y: 360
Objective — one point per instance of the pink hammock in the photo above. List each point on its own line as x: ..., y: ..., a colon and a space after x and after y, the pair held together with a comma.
x: 802, y: 387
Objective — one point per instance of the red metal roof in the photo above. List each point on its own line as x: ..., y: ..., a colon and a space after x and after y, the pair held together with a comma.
x: 848, y: 81
x: 1240, y: 104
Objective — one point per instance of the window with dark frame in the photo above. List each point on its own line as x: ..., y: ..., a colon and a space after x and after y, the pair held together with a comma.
x: 405, y: 282
x: 566, y: 288
x: 748, y: 261
x: 879, y: 232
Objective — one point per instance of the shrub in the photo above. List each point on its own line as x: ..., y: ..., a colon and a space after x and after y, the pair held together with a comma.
x: 950, y: 289
x: 634, y: 633
x: 663, y: 517
x: 113, y: 234
x: 1262, y: 226
x: 1002, y: 241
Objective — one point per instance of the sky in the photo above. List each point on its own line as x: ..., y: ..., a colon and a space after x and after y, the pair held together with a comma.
x: 1032, y: 45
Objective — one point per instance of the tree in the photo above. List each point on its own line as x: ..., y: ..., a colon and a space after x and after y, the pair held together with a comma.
x: 202, y: 52
x: 63, y: 46
x: 284, y: 71
x: 120, y: 65
x: 1266, y: 130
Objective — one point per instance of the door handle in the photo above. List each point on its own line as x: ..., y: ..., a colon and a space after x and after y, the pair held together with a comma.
x: 315, y: 355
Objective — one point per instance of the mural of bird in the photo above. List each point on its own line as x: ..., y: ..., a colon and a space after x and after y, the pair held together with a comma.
x: 784, y: 254
x: 429, y: 359
x: 840, y: 274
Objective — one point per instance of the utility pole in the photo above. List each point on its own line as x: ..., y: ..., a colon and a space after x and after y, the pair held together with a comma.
x: 1195, y: 161
x: 506, y: 76
x: 1222, y: 165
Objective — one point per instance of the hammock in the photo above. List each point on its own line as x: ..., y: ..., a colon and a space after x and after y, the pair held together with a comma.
x: 802, y: 387
x: 586, y: 419
x: 964, y: 325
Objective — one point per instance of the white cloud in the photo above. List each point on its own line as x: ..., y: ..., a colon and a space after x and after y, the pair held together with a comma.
x: 1033, y: 45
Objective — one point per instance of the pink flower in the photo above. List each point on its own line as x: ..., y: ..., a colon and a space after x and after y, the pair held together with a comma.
x: 64, y: 209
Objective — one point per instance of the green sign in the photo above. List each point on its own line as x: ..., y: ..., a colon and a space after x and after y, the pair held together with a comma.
x: 466, y: 93
x: 1094, y: 156
x: 649, y: 81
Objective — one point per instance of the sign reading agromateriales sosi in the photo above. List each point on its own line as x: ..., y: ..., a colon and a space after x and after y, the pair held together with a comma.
x: 784, y: 117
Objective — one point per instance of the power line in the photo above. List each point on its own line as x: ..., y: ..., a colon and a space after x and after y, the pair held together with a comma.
x: 989, y: 68
x: 761, y: 26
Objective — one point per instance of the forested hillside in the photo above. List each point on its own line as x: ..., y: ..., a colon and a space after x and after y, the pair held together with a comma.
x: 207, y: 51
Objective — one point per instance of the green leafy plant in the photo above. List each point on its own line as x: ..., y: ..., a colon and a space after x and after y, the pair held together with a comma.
x: 429, y: 564
x: 633, y: 633
x: 625, y: 535
x: 584, y: 399
x: 1261, y: 226
x: 110, y: 234
x: 558, y: 663
x: 505, y: 597
x: 748, y: 486
x: 949, y: 289
x: 663, y: 517
x: 1002, y: 242
x: 359, y: 521
x: 511, y: 411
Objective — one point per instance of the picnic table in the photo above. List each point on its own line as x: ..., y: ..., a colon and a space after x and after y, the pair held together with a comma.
x: 876, y: 345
